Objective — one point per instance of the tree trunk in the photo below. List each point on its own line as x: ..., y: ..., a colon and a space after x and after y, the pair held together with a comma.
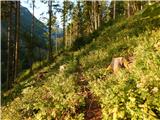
x: 49, y: 35
x: 80, y: 24
x: 128, y: 9
x: 91, y: 26
x: 56, y: 39
x: 114, y: 9
x: 92, y: 16
x: 134, y: 7
x: 17, y: 39
x: 98, y: 13
x: 40, y: 57
x: 13, y: 38
x: 141, y: 4
x: 9, y: 65
x: 64, y: 24
x: 70, y: 36
x: 32, y: 34
x: 95, y: 15
x: 66, y: 43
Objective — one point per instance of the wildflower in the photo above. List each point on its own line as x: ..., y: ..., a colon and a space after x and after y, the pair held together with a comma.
x: 155, y: 90
x: 139, y: 85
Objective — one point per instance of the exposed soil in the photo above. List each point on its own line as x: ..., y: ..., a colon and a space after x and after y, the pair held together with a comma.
x: 92, y: 110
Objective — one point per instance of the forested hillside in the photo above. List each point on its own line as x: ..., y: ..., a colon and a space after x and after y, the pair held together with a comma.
x: 106, y: 67
x: 25, y: 28
x: 39, y: 44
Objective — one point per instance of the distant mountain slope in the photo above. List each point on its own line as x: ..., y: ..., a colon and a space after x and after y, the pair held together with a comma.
x: 26, y: 22
x: 39, y: 29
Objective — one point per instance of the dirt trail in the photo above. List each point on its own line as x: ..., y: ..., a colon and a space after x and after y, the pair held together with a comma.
x: 92, y: 110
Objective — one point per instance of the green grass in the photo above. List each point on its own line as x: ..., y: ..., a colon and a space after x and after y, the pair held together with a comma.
x: 127, y: 95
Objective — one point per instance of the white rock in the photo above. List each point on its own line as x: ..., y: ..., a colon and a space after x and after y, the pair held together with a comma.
x: 62, y: 68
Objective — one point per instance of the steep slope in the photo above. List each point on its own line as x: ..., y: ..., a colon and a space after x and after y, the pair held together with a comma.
x: 134, y: 94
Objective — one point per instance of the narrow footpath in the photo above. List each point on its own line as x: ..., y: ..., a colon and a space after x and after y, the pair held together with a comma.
x: 92, y: 110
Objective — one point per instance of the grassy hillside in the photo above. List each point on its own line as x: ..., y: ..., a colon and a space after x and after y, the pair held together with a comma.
x: 135, y: 94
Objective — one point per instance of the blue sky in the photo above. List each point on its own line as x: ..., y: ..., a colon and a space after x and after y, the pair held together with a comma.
x: 39, y: 9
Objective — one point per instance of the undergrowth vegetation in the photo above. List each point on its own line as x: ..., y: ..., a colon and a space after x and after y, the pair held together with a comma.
x: 134, y: 94
x: 53, y: 96
x: 130, y: 94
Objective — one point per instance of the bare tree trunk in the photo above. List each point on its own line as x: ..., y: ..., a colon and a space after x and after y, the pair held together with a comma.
x: 13, y: 36
x: 128, y: 9
x: 141, y: 5
x: 76, y: 30
x: 12, y: 50
x: 80, y: 24
x: 64, y: 31
x: 92, y: 17
x: 91, y: 28
x: 32, y: 33
x: 9, y: 65
x: 114, y: 9
x: 56, y: 39
x: 64, y: 24
x: 66, y: 43
x: 95, y: 15
x: 17, y: 39
x: 40, y: 57
x: 49, y: 35
x: 98, y: 13
x: 8, y: 52
x: 70, y: 35
x: 134, y: 7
